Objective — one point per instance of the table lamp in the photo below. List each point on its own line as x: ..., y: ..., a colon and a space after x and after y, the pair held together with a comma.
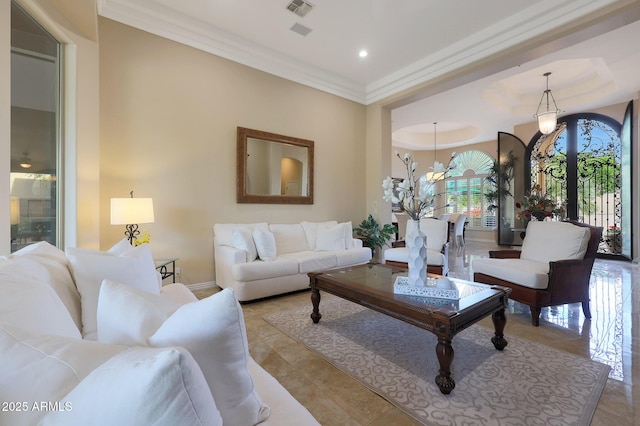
x: 130, y: 212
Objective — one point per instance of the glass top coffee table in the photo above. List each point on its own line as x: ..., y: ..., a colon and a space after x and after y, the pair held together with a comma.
x: 372, y: 286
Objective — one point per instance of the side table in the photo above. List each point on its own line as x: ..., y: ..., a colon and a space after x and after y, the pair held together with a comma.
x: 162, y: 265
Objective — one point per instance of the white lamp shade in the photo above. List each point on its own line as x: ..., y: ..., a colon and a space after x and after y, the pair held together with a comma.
x: 15, y: 210
x: 547, y: 121
x: 129, y: 211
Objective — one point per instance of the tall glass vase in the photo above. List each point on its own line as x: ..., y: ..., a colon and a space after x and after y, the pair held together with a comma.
x: 416, y: 242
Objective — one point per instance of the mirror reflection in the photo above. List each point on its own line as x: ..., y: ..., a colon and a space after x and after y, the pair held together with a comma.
x: 274, y: 168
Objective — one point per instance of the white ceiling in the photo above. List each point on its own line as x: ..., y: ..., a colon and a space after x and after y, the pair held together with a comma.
x: 419, y: 42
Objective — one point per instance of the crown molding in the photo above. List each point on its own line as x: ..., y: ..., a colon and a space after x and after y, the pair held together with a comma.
x: 534, y: 21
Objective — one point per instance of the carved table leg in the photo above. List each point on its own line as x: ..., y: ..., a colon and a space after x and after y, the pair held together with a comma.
x: 315, y: 300
x: 445, y: 356
x: 499, y: 321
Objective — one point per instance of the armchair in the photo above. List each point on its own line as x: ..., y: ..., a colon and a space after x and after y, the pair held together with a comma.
x: 553, y: 267
x: 437, y: 247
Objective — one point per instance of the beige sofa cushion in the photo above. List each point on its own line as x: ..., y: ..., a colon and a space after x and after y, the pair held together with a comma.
x: 550, y: 241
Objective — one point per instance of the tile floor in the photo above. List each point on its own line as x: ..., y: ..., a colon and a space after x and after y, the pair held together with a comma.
x: 611, y: 337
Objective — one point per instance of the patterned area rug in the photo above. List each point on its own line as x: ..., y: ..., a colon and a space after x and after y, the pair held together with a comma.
x: 526, y: 384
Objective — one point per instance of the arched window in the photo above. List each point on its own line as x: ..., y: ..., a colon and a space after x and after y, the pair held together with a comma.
x: 467, y: 188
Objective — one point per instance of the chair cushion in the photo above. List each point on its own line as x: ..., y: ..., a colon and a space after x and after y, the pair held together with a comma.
x: 550, y: 241
x: 401, y: 254
x: 436, y: 232
x: 524, y: 272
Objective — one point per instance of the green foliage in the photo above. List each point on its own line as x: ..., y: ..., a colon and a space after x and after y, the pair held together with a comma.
x: 499, y: 179
x: 372, y: 235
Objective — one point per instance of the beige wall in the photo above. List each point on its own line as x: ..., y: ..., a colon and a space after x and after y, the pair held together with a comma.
x: 168, y: 118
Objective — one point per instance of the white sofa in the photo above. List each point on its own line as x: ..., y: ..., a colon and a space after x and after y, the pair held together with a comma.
x: 162, y: 357
x: 437, y: 232
x: 259, y: 260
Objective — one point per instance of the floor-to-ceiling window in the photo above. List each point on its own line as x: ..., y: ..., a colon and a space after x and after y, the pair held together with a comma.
x: 35, y: 132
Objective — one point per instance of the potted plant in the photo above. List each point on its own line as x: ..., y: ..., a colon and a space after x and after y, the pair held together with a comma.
x: 372, y: 235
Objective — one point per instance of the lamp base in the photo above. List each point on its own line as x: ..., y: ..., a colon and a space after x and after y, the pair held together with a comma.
x: 131, y: 232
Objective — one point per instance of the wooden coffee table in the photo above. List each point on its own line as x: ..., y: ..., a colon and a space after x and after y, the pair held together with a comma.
x: 372, y: 286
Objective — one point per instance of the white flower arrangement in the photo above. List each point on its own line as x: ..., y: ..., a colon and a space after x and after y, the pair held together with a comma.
x: 414, y: 193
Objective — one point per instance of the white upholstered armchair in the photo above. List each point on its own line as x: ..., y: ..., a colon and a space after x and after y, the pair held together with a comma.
x: 553, y: 267
x: 437, y: 247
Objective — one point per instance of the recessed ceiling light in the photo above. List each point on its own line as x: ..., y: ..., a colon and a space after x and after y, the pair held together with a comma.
x: 363, y: 53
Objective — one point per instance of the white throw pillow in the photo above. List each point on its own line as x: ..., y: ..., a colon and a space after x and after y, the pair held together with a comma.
x: 39, y: 367
x: 330, y: 238
x: 311, y: 231
x: 28, y: 301
x: 134, y: 267
x: 141, y: 386
x: 265, y: 244
x: 52, y: 269
x: 128, y: 316
x: 290, y: 237
x: 213, y: 331
x: 348, y: 235
x: 120, y: 247
x: 243, y: 240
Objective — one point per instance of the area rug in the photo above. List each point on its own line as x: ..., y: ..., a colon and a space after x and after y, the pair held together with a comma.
x: 526, y: 384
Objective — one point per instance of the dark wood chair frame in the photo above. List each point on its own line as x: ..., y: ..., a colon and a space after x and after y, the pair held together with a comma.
x: 568, y: 279
x: 431, y: 269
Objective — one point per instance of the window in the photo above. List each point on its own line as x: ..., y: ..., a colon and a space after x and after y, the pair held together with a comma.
x: 35, y: 131
x: 467, y: 188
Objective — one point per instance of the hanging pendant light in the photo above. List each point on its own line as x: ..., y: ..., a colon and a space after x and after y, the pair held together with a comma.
x: 25, y: 161
x: 548, y: 119
x: 438, y: 168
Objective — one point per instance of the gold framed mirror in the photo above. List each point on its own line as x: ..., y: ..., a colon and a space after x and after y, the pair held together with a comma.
x: 273, y: 169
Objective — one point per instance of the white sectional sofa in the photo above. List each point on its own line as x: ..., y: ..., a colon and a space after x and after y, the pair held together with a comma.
x: 157, y: 355
x: 259, y: 260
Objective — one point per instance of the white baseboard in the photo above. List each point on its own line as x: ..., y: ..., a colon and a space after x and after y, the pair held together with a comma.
x: 201, y: 286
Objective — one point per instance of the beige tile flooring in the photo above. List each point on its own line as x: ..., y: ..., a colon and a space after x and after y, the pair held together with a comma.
x: 611, y: 336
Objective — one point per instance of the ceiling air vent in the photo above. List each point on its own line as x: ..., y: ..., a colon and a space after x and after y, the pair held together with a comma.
x: 300, y: 29
x: 300, y: 7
